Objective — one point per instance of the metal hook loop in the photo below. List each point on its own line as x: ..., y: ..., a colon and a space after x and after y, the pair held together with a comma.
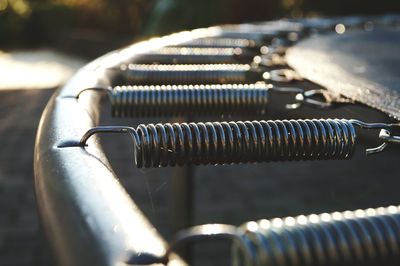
x: 282, y: 75
x: 269, y: 60
x: 385, y: 134
x: 101, y: 89
x: 310, y: 98
x: 211, y: 232
x: 115, y: 129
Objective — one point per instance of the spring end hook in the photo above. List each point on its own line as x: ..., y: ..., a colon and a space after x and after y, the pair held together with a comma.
x: 108, y: 129
x: 387, y: 134
x: 387, y: 137
x: 282, y: 75
x: 113, y: 129
x: 107, y: 89
x: 319, y: 98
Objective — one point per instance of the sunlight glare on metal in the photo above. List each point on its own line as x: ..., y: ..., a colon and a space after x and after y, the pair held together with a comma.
x: 302, y: 220
x: 337, y: 216
x: 340, y: 28
x: 392, y: 209
x: 252, y: 226
x: 325, y: 217
x: 313, y: 218
x: 265, y: 224
x: 290, y: 221
x: 277, y: 223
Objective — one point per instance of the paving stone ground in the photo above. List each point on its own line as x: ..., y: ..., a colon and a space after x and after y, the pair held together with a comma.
x: 24, y: 74
x: 21, y: 242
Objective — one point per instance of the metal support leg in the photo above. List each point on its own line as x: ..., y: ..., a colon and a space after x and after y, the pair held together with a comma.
x: 181, y: 195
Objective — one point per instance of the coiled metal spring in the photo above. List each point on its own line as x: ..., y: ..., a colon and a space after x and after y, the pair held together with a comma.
x: 238, y: 142
x: 260, y: 36
x: 154, y: 74
x: 140, y: 74
x: 195, y: 55
x: 220, y: 42
x: 340, y: 238
x: 171, y: 100
x: 361, y: 237
x: 198, y: 51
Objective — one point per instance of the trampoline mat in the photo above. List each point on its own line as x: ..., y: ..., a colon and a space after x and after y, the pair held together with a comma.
x: 361, y: 65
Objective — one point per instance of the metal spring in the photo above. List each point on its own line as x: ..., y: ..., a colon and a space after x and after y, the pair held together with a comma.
x: 340, y: 238
x: 238, y: 142
x: 198, y: 51
x: 195, y: 55
x: 178, y: 100
x: 220, y: 42
x: 259, y: 37
x: 140, y: 74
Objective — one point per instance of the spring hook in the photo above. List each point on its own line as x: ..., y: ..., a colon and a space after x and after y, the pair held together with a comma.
x: 309, y: 97
x: 318, y: 98
x: 386, y: 134
x: 269, y: 60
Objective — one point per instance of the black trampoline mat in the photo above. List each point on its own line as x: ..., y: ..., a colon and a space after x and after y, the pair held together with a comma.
x: 359, y: 64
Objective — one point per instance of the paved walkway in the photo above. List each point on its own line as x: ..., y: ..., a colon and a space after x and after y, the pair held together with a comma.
x: 25, y: 81
x: 36, y: 69
x: 20, y: 239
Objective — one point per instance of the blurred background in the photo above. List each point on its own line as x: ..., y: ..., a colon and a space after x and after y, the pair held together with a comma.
x: 74, y: 26
x: 42, y: 43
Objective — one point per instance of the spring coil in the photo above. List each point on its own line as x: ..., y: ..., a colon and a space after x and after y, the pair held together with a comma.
x: 243, y: 142
x: 140, y: 74
x: 260, y: 37
x: 340, y: 238
x: 197, y: 51
x: 194, y: 55
x: 220, y: 42
x: 169, y: 100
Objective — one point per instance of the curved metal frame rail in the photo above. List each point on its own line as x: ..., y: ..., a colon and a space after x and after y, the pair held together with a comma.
x: 87, y: 215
